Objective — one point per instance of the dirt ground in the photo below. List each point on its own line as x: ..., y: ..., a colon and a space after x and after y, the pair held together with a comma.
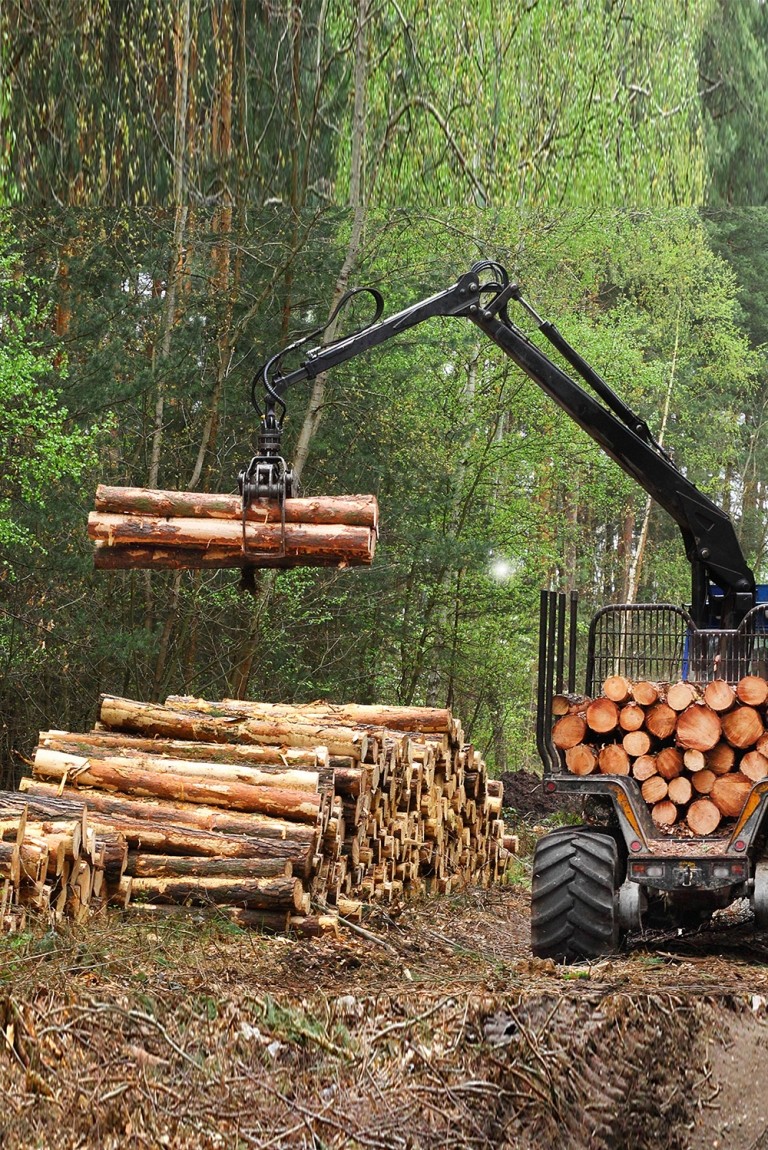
x: 435, y: 1029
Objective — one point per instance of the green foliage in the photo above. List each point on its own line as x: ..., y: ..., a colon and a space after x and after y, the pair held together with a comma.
x: 39, y: 447
x: 733, y: 70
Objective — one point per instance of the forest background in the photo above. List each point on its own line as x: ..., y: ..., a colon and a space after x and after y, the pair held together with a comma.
x: 185, y: 185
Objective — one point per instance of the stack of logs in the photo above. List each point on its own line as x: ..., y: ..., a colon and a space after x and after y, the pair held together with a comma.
x: 695, y: 750
x: 135, y: 527
x: 54, y: 859
x: 270, y: 812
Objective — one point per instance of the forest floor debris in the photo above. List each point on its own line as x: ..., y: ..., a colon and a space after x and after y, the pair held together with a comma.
x: 192, y: 1033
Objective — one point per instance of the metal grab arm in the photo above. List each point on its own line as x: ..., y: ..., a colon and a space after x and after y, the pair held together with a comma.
x: 710, y: 541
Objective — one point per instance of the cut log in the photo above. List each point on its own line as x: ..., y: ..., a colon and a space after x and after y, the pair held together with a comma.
x: 752, y: 690
x: 58, y: 762
x: 616, y: 688
x: 349, y: 510
x: 721, y: 758
x: 138, y: 557
x: 645, y: 693
x: 654, y: 789
x: 729, y: 793
x: 754, y: 766
x: 602, y: 716
x: 109, y: 744
x: 703, y: 817
x: 681, y: 695
x: 109, y: 775
x: 249, y: 893
x: 143, y: 865
x: 569, y: 731
x: 669, y: 763
x: 699, y: 728
x: 719, y: 695
x: 680, y: 790
x: 742, y: 727
x: 661, y: 720
x: 612, y: 759
x: 352, y: 546
x: 581, y: 760
x: 664, y: 813
x: 631, y: 717
x: 150, y: 719
x: 644, y: 767
x: 703, y: 781
x: 694, y: 760
x: 636, y: 743
x: 226, y: 822
x: 424, y: 720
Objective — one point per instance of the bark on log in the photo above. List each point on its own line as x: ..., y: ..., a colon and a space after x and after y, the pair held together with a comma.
x: 349, y: 510
x: 286, y: 779
x: 137, y: 557
x: 129, y: 780
x: 249, y: 893
x: 105, y: 744
x: 150, y: 719
x: 143, y: 865
x: 352, y: 546
x: 409, y: 720
x: 181, y: 814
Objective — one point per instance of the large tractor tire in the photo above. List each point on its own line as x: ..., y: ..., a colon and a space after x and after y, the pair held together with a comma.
x: 574, y: 896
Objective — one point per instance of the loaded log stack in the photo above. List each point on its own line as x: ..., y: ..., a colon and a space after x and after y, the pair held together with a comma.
x: 137, y: 527
x: 695, y: 750
x: 280, y: 816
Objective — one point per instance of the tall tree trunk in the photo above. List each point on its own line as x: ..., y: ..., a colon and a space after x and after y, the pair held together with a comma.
x: 182, y: 43
x: 633, y: 578
x: 265, y: 586
x: 357, y: 203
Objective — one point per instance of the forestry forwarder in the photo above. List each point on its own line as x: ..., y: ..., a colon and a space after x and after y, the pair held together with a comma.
x: 619, y: 872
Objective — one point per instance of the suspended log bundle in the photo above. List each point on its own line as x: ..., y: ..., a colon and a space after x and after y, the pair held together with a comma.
x: 135, y: 527
x: 694, y: 750
x: 268, y: 813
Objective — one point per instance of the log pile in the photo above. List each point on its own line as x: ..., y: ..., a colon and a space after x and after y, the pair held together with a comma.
x: 54, y: 860
x: 282, y: 816
x: 135, y: 527
x: 695, y: 750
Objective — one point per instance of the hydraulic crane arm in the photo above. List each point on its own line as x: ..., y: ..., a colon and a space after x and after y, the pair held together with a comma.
x: 710, y: 541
